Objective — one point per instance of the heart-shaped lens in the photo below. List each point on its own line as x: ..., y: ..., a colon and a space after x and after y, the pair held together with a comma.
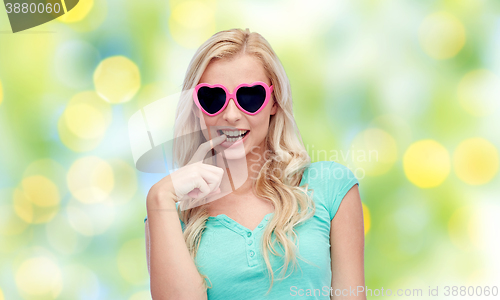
x: 251, y: 98
x: 211, y: 99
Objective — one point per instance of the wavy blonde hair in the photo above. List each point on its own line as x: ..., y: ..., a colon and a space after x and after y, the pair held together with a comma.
x: 278, y: 180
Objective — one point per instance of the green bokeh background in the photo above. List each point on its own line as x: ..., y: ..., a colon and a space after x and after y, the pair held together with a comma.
x: 365, y: 74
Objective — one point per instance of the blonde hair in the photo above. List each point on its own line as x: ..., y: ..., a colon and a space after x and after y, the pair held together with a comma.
x: 278, y: 180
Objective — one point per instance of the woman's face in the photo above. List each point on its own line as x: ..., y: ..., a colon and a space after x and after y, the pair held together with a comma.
x: 232, y: 72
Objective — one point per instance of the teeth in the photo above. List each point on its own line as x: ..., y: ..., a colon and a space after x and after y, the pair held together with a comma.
x: 231, y: 132
x: 234, y: 133
x: 231, y: 140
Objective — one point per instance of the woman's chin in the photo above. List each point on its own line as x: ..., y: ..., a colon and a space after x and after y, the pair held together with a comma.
x: 236, y: 151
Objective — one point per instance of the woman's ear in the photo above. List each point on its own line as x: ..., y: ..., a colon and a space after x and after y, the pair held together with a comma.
x: 274, y: 109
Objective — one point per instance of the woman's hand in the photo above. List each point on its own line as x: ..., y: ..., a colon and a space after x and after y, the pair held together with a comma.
x: 192, y: 182
x: 163, y: 229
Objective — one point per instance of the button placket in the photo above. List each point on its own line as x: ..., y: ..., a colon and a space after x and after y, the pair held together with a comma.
x: 247, y: 235
x: 251, y: 251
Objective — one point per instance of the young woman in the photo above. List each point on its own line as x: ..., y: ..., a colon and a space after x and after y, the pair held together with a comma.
x: 289, y: 229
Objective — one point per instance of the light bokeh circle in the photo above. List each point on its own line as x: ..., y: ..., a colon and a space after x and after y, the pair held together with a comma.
x: 373, y: 150
x: 426, y: 163
x: 50, y: 169
x: 117, y: 79
x: 87, y: 16
x: 74, y: 143
x: 91, y: 219
x: 84, y: 122
x: 37, y: 200
x: 90, y: 179
x: 366, y: 218
x: 191, y: 22
x: 442, y: 35
x: 39, y: 276
x: 78, y: 13
x: 476, y: 161
x: 41, y: 191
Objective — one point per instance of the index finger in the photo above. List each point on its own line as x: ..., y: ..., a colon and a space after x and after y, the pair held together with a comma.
x: 203, y: 149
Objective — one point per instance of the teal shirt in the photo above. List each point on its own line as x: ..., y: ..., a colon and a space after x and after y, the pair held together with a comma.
x: 230, y: 254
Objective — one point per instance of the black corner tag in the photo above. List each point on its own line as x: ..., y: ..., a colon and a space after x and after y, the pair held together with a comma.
x: 26, y: 14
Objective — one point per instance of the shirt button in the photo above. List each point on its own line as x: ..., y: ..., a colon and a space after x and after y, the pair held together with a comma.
x: 249, y: 234
x: 260, y: 225
x: 252, y: 253
x: 250, y: 242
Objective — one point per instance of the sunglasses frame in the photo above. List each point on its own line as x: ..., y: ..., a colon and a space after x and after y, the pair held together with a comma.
x: 269, y: 90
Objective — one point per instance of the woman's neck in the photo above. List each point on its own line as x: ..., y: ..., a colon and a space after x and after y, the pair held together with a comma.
x: 249, y: 165
x: 240, y: 201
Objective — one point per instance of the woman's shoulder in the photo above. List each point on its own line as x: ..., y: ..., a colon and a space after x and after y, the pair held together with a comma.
x: 330, y: 182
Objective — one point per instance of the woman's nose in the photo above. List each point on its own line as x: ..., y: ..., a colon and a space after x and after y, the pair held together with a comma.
x: 231, y: 112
